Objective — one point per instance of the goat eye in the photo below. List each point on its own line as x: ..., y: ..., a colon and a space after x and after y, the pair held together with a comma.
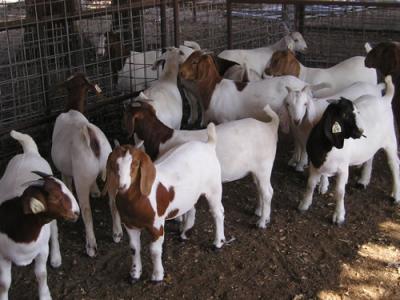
x: 296, y: 40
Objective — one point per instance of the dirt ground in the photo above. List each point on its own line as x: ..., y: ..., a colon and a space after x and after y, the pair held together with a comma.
x: 299, y: 256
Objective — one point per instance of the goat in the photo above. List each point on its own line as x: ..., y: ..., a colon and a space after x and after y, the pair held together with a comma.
x: 385, y: 58
x: 79, y: 151
x: 139, y: 71
x: 147, y: 194
x: 339, y: 76
x: 304, y: 111
x: 350, y: 133
x: 258, y: 59
x: 30, y: 203
x: 164, y: 95
x: 226, y: 100
x: 238, y: 147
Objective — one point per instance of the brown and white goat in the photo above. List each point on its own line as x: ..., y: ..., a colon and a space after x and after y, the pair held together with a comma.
x: 147, y: 194
x: 79, y: 151
x: 28, y: 210
x: 245, y: 146
x: 339, y: 76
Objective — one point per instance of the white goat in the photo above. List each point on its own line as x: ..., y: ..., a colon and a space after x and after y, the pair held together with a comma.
x: 148, y: 194
x: 226, y: 100
x: 241, y: 73
x: 350, y: 133
x: 244, y: 146
x: 30, y: 203
x: 139, y: 71
x: 164, y: 95
x: 340, y: 76
x: 303, y: 111
x: 80, y: 151
x: 258, y: 59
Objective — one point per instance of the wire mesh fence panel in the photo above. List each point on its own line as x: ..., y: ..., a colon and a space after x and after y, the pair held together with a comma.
x: 115, y: 42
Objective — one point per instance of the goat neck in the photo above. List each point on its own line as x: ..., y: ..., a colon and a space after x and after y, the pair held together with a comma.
x: 18, y: 226
x: 318, y: 145
x: 153, y: 132
x: 171, y: 69
x: 206, y: 85
x: 76, y: 100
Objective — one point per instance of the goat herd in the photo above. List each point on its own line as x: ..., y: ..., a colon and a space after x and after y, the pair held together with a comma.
x: 337, y: 117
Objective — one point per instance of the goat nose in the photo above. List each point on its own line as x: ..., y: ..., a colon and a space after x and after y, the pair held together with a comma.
x: 297, y: 122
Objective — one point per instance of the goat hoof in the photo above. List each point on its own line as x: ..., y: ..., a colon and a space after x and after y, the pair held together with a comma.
x: 157, y: 282
x: 117, y: 237
x: 91, y: 251
x: 55, y: 262
x: 262, y: 224
x: 132, y: 280
x: 302, y: 209
x: 360, y: 186
x: 338, y: 221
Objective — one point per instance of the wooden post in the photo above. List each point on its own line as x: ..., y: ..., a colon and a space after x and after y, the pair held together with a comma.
x: 299, y: 18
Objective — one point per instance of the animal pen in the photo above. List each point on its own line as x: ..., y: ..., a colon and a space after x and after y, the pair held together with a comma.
x: 45, y: 41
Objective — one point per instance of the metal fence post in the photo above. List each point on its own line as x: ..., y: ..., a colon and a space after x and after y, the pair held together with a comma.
x: 229, y: 23
x: 163, y: 23
x: 176, y: 23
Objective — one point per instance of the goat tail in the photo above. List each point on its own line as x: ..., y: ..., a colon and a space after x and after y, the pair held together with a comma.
x: 270, y: 112
x: 89, y: 135
x: 367, y: 47
x: 27, y: 143
x: 212, y: 134
x: 389, y: 89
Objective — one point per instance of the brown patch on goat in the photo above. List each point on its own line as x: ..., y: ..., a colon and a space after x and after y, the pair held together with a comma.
x: 283, y: 63
x: 18, y: 221
x: 94, y: 142
x: 164, y: 197
x: 156, y: 233
x: 240, y: 85
x: 201, y: 69
x: 77, y: 87
x: 133, y: 204
x: 143, y: 121
x: 172, y: 214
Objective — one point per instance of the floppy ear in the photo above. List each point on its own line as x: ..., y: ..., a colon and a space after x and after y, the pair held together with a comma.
x: 284, y: 119
x: 333, y: 131
x: 33, y: 206
x: 129, y: 122
x: 147, y: 174
x: 159, y: 62
x: 203, y: 67
x: 289, y: 42
x: 311, y: 113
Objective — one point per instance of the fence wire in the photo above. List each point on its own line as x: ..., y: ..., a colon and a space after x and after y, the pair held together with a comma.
x: 42, y: 42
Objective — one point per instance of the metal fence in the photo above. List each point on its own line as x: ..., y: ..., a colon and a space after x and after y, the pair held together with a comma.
x: 42, y: 42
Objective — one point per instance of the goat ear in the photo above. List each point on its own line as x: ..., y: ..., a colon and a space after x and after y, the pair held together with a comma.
x: 147, y: 174
x: 33, y: 206
x: 333, y: 131
x: 311, y: 113
x: 159, y: 62
x: 289, y: 43
x: 284, y: 119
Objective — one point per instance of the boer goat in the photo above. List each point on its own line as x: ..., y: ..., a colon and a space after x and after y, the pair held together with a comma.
x: 350, y: 133
x: 225, y: 100
x: 80, y: 151
x: 258, y: 59
x: 31, y: 201
x: 147, y: 194
x: 244, y: 146
x: 339, y: 76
